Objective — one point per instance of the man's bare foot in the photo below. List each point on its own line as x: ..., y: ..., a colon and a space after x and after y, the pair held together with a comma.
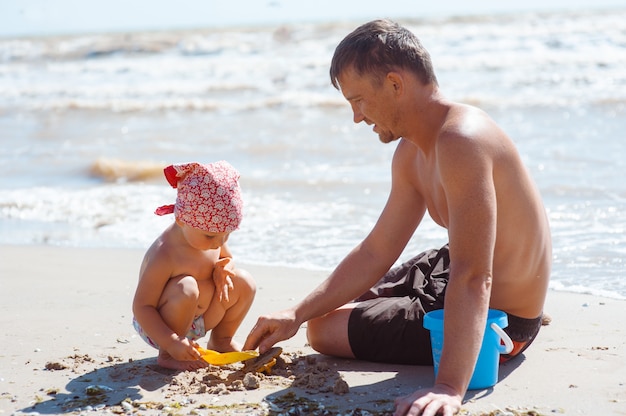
x: 167, y: 361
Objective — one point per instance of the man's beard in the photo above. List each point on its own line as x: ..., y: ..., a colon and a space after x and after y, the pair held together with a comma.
x: 387, y: 137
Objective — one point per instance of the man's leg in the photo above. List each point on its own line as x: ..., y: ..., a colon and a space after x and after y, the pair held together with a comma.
x: 385, y: 324
x: 328, y: 334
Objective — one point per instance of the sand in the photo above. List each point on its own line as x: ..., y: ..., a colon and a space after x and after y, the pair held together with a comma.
x: 68, y: 346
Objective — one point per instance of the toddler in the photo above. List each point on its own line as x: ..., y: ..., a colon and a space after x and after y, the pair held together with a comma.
x: 188, y: 284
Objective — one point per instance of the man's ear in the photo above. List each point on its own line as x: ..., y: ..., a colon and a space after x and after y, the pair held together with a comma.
x: 396, y: 81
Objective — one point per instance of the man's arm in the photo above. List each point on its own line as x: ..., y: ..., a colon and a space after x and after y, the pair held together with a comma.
x: 465, y: 165
x: 371, y: 259
x: 466, y: 168
x: 363, y: 267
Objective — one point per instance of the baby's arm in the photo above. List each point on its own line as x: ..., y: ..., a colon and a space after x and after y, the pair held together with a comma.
x: 225, y: 251
x: 223, y: 272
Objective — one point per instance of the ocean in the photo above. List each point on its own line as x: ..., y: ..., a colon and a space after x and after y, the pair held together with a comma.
x: 88, y: 121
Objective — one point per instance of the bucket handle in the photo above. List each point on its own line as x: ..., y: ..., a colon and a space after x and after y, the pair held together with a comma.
x: 508, y: 344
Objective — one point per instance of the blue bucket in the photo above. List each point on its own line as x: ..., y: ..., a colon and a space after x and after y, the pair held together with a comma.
x: 486, y: 370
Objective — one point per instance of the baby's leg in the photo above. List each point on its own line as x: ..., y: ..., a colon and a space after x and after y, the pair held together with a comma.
x: 224, y: 318
x: 178, y: 303
x: 177, y: 308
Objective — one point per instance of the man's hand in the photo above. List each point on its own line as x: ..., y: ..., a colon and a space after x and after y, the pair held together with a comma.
x: 438, y: 400
x: 271, y: 329
x: 223, y: 272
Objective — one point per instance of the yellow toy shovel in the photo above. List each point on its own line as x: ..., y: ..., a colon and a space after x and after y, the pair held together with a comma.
x: 264, y: 362
x: 223, y: 358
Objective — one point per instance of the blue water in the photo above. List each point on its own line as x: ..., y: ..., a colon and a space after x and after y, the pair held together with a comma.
x: 87, y: 121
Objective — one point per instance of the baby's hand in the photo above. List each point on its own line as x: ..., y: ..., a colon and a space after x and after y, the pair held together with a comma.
x: 183, y: 350
x: 223, y: 272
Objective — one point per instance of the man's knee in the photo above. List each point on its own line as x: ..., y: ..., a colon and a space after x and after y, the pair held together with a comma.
x: 314, y: 334
x: 329, y: 334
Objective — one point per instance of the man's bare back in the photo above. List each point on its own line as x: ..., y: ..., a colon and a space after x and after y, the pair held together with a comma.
x: 521, y: 221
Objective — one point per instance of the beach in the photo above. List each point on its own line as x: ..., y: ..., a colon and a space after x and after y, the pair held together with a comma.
x: 68, y: 347
x: 93, y: 108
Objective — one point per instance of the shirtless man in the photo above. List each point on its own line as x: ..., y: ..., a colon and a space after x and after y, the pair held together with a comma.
x: 454, y: 161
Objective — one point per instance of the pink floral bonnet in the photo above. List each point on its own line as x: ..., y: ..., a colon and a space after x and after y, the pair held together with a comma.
x: 209, y: 196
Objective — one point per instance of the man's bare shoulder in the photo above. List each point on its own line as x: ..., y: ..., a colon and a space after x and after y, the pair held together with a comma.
x: 407, y: 161
x: 405, y: 149
x: 468, y: 122
x: 470, y: 133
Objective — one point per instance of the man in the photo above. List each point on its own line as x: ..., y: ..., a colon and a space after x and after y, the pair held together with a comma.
x: 455, y: 162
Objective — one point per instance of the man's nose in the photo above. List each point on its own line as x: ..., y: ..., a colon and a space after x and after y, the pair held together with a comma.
x: 357, y: 116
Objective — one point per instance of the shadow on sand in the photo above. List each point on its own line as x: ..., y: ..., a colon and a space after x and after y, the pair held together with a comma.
x: 314, y: 389
x: 373, y: 388
x: 385, y: 383
x: 93, y: 390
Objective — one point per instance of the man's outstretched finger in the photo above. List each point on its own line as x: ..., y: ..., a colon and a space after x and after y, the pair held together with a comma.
x: 255, y: 336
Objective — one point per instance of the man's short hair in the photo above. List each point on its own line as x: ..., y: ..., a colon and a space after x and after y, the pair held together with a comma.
x: 379, y: 47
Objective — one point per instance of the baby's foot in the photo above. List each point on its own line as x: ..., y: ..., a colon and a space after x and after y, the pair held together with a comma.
x: 167, y: 361
x: 223, y: 345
